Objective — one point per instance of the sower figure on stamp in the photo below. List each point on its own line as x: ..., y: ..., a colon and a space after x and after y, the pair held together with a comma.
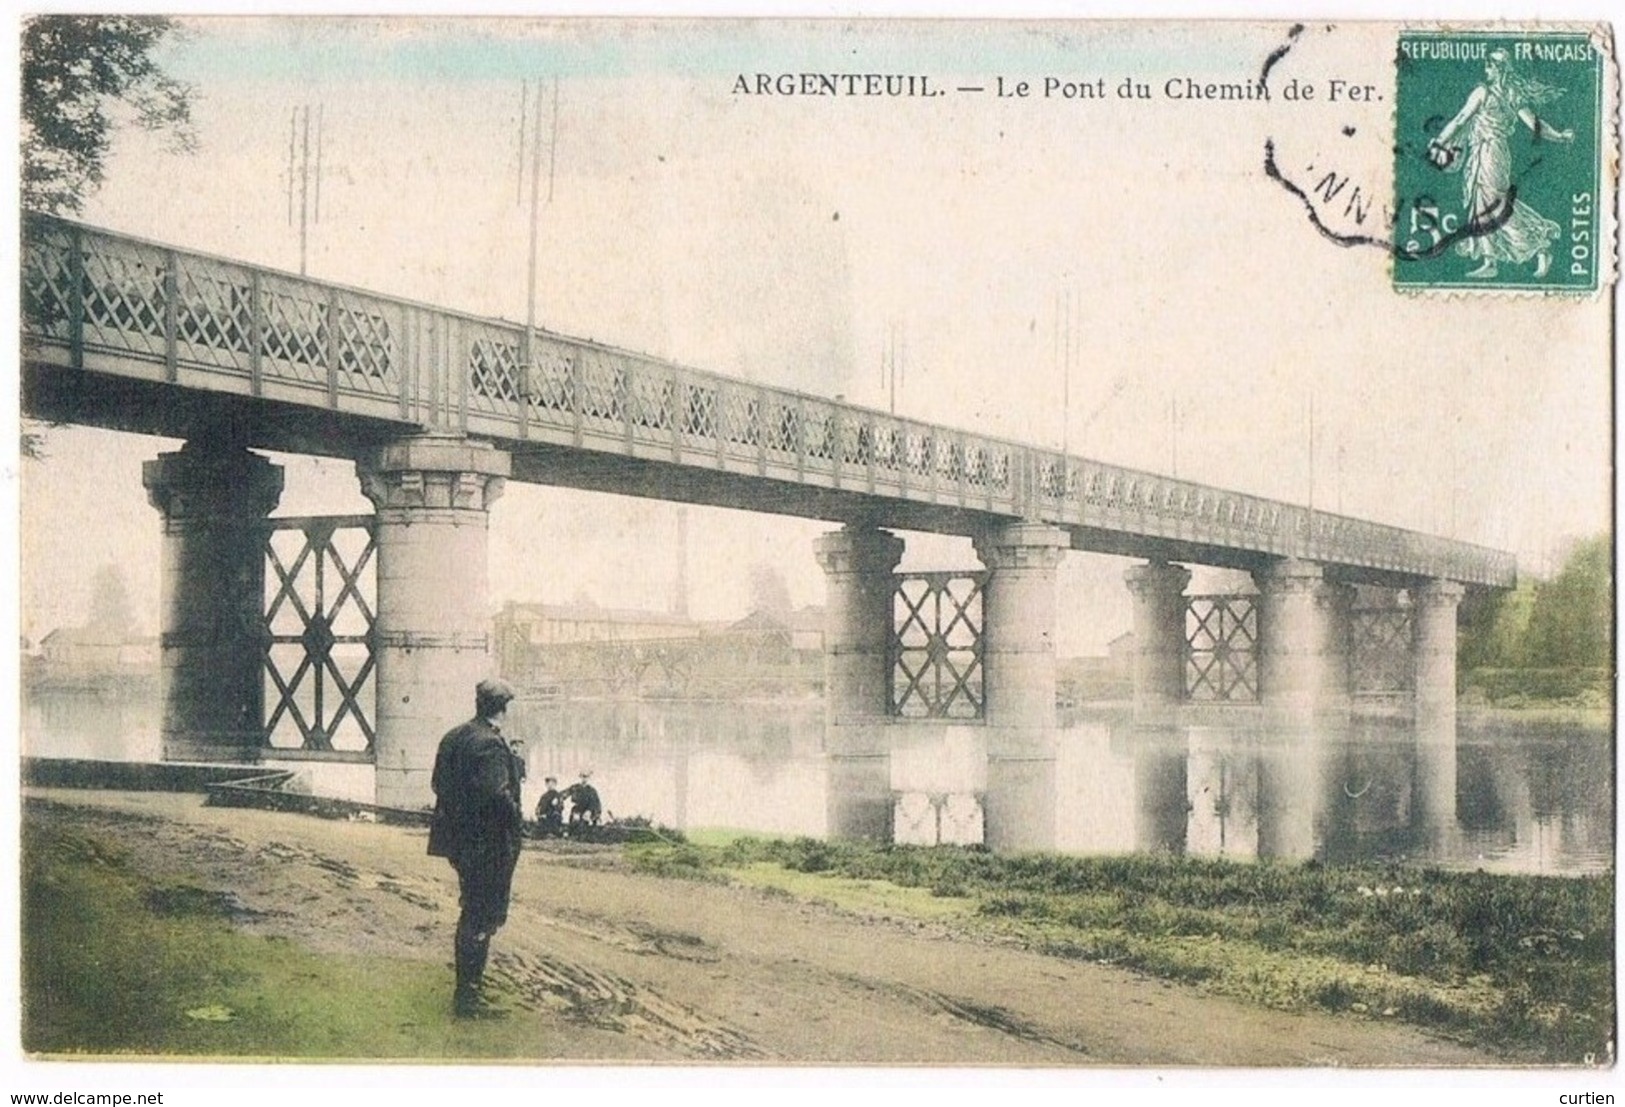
x: 1515, y: 232
x: 478, y: 826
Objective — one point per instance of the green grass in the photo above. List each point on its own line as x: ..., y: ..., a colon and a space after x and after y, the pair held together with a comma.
x: 1520, y: 964
x: 867, y: 897
x: 116, y: 964
x: 723, y: 835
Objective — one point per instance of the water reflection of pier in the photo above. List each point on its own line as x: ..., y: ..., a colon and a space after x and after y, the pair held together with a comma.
x: 1529, y: 798
x: 1252, y: 792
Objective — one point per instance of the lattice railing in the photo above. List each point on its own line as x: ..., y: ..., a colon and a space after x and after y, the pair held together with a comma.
x: 495, y: 370
x: 1117, y: 497
x: 320, y: 604
x: 1221, y: 649
x: 937, y: 645
x: 90, y: 291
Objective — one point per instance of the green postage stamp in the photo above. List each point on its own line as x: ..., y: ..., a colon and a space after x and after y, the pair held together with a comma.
x: 1498, y: 141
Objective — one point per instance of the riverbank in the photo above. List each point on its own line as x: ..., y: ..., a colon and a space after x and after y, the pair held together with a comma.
x: 1519, y: 964
x: 155, y: 926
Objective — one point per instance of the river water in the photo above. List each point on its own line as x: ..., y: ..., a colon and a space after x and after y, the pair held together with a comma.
x: 1528, y: 797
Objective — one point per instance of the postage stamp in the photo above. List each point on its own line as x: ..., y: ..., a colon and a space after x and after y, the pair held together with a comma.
x: 1497, y: 158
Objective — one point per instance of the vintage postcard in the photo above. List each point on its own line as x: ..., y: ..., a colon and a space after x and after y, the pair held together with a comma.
x: 1061, y: 545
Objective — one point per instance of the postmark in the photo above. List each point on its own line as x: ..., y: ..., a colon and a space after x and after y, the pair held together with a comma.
x: 1498, y: 161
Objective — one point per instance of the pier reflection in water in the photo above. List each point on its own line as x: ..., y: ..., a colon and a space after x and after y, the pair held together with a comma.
x: 1513, y: 797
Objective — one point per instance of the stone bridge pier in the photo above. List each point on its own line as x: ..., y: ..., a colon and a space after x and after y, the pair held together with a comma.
x: 858, y: 563
x: 1019, y: 661
x: 1304, y: 643
x: 429, y: 637
x: 432, y: 494
x: 1434, y: 607
x: 213, y: 496
x: 1017, y: 655
x: 1158, y: 589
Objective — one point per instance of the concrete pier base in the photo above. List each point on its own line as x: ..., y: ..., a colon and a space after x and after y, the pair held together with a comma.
x: 212, y: 593
x: 1159, y: 640
x: 1293, y: 636
x: 432, y: 494
x: 858, y: 564
x: 1019, y: 662
x: 1304, y: 625
x: 1434, y: 607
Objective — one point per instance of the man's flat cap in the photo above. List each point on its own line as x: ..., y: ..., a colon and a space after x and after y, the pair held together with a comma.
x: 492, y: 689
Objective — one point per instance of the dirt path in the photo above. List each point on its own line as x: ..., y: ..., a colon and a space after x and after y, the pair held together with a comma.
x: 618, y: 965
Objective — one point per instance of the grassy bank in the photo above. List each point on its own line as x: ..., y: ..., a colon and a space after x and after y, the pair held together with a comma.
x: 1523, y: 965
x: 170, y: 975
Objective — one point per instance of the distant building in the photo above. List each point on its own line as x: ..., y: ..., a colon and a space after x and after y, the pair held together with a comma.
x: 533, y: 639
x: 1098, y: 679
x: 801, y: 631
x: 95, y: 651
x: 1121, y: 652
x: 540, y: 624
x: 586, y: 650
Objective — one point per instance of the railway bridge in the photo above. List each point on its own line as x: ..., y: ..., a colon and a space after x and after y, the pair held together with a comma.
x: 359, y: 638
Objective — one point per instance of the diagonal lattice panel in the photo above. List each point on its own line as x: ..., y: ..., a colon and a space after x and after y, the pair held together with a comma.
x: 888, y: 446
x: 124, y: 298
x: 917, y: 449
x: 699, y: 414
x: 1380, y: 650
x: 493, y: 373
x: 783, y: 428
x: 818, y: 433
x: 552, y: 387
x: 47, y: 278
x: 935, y: 661
x: 976, y: 465
x: 1221, y: 649
x: 214, y: 316
x: 294, y: 330
x: 319, y: 615
x: 651, y: 400
x: 999, y: 469
x: 366, y: 349
x: 857, y: 443
x: 741, y: 423
x: 603, y: 391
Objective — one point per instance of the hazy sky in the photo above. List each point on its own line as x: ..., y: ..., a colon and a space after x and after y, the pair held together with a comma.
x: 783, y: 238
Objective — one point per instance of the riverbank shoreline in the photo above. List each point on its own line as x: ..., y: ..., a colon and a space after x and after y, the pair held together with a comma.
x: 1519, y: 964
x: 157, y: 927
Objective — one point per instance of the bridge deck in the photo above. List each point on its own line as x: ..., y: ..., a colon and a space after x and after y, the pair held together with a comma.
x: 123, y: 332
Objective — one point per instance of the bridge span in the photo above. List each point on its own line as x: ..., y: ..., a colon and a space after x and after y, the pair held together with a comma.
x: 438, y: 408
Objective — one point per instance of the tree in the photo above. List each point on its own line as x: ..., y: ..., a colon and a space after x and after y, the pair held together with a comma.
x: 1495, y: 629
x: 83, y: 76
x: 1571, y: 625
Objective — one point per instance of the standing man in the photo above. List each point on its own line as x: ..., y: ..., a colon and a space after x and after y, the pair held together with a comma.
x: 478, y: 825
